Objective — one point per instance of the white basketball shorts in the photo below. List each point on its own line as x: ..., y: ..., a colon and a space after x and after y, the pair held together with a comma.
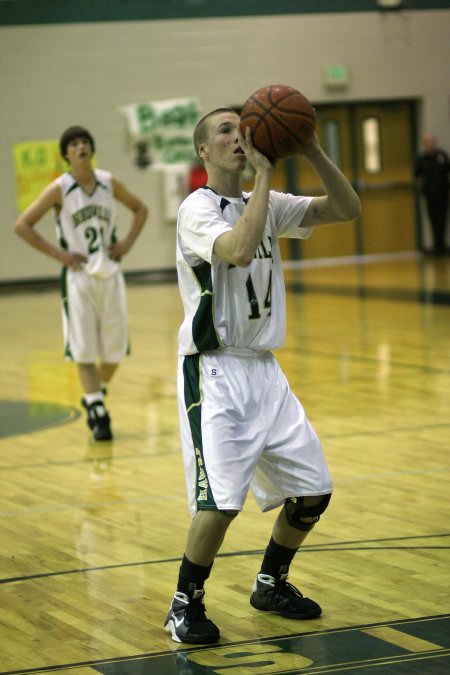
x: 94, y: 313
x: 243, y: 428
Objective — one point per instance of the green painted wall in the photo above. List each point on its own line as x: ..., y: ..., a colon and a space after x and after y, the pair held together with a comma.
x: 23, y: 12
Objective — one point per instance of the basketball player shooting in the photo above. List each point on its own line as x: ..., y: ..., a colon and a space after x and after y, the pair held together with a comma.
x: 241, y: 425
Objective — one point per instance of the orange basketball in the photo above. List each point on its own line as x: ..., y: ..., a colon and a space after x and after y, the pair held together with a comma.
x: 282, y: 121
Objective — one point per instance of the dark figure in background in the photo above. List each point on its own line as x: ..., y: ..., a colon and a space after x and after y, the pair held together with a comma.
x: 433, y: 170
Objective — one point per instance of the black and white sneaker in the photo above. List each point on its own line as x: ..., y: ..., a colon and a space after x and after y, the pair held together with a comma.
x: 187, y: 622
x: 98, y: 420
x: 277, y: 595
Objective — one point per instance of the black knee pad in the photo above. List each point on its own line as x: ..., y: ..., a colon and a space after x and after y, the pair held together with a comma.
x: 295, y: 511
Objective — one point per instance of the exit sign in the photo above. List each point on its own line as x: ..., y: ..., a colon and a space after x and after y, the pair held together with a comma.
x: 336, y: 75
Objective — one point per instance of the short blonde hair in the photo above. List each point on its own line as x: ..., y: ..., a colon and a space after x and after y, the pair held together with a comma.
x: 201, y: 128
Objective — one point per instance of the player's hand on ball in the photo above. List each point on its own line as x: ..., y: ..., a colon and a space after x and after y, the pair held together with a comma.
x: 311, y: 147
x: 254, y: 156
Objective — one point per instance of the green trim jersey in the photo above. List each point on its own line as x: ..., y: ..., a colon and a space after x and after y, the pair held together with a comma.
x: 86, y: 222
x: 225, y: 305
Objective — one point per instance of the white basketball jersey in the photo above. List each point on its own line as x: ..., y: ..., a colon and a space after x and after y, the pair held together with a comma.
x: 224, y: 305
x: 86, y: 222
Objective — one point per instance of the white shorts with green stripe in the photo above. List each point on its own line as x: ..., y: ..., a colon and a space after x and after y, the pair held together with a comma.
x: 243, y: 428
x: 94, y: 313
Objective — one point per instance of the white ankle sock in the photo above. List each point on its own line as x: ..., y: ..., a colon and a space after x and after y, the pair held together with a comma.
x: 95, y: 396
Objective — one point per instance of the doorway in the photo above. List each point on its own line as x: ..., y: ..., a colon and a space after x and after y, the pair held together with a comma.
x: 373, y: 144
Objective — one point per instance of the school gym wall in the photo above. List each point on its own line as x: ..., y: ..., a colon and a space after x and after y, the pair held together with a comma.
x: 55, y: 72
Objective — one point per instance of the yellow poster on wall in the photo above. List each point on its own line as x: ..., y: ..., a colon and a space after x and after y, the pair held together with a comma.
x: 37, y: 163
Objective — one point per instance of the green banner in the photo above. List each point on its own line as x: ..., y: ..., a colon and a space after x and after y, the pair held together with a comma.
x: 167, y: 126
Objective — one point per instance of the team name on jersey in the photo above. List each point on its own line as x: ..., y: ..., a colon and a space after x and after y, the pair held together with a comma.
x: 202, y: 479
x: 264, y: 250
x: 91, y: 211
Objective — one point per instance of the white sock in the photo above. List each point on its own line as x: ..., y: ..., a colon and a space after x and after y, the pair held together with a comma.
x: 95, y: 396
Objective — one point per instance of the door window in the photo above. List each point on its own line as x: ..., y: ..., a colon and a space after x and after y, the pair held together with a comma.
x: 332, y: 141
x: 371, y: 145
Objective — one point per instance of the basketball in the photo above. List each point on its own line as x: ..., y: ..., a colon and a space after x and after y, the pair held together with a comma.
x: 282, y: 121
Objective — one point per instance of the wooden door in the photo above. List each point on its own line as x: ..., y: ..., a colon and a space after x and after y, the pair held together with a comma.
x: 334, y: 130
x: 384, y: 165
x: 372, y: 143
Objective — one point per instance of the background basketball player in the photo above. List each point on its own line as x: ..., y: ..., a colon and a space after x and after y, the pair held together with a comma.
x: 94, y: 298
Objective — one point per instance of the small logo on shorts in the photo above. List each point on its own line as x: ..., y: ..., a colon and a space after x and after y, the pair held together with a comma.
x: 214, y: 372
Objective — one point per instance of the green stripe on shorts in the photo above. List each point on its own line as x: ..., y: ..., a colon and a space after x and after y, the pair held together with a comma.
x: 65, y: 304
x: 193, y: 403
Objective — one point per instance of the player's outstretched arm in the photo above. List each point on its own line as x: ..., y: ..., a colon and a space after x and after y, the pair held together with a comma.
x: 341, y: 203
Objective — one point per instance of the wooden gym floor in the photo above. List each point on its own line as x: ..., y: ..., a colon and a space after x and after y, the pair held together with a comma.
x: 91, y: 535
